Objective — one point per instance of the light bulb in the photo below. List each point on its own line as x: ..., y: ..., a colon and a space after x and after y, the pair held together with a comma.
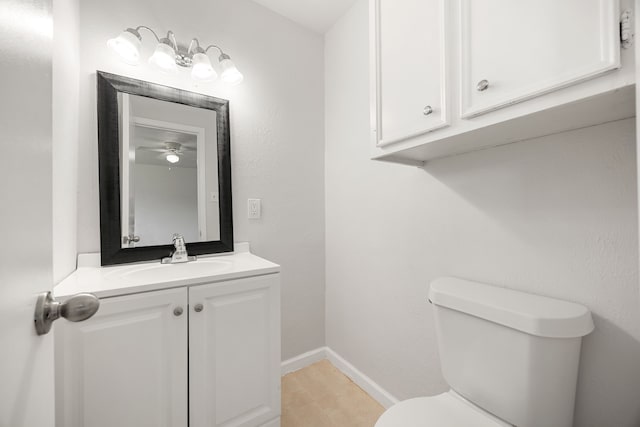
x: 164, y: 57
x: 230, y: 73
x: 127, y: 45
x: 202, y: 69
x: 173, y: 158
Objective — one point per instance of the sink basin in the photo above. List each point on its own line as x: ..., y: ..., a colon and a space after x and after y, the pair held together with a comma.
x: 158, y: 273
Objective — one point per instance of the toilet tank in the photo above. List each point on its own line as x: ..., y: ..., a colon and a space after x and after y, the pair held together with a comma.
x: 511, y: 353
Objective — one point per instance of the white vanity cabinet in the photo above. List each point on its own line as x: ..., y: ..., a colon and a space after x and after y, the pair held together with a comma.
x: 127, y: 365
x: 234, y: 352
x: 201, y: 351
x: 410, y: 78
x: 501, y: 72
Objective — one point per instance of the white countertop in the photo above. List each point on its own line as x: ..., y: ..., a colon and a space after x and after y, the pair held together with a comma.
x: 151, y: 276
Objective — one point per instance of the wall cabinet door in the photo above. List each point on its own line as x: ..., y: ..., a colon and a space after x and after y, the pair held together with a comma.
x: 409, y: 69
x: 127, y: 365
x: 234, y: 352
x: 512, y: 51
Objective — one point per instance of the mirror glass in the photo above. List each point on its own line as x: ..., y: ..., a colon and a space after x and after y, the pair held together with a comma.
x: 169, y: 172
x: 165, y: 169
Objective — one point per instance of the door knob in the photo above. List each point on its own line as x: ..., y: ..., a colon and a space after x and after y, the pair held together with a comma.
x: 130, y: 238
x: 76, y: 309
x: 198, y: 308
x: 427, y: 110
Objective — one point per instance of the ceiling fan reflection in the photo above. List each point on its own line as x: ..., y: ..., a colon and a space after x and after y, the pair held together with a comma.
x: 171, y: 151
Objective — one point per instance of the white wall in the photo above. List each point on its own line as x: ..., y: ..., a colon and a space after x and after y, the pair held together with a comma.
x: 276, y: 130
x: 166, y: 200
x: 65, y: 93
x: 554, y: 216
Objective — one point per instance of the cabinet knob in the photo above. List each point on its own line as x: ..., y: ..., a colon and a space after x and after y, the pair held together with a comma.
x: 198, y: 308
x: 482, y: 85
x: 427, y: 110
x: 178, y: 311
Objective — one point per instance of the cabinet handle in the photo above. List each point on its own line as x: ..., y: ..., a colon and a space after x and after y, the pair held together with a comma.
x: 427, y: 110
x: 198, y: 308
x: 482, y: 85
x: 178, y: 311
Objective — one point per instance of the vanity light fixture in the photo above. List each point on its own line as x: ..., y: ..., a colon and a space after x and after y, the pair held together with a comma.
x: 167, y: 56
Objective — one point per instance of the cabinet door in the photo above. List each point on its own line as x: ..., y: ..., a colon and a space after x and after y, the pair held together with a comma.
x: 526, y: 48
x: 126, y: 366
x: 409, y: 68
x: 234, y: 352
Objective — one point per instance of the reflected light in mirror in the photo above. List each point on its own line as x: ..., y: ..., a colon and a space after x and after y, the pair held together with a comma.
x: 127, y: 45
x: 173, y: 158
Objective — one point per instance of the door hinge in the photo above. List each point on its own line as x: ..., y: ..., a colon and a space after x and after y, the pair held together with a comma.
x: 626, y: 30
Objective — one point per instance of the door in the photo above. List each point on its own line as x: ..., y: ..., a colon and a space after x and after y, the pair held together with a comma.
x: 234, y: 352
x: 127, y: 365
x: 512, y: 51
x: 408, y: 69
x: 26, y: 360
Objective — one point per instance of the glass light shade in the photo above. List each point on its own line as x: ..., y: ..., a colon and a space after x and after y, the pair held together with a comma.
x: 230, y: 73
x: 202, y: 69
x: 173, y: 158
x: 164, y: 57
x: 127, y: 45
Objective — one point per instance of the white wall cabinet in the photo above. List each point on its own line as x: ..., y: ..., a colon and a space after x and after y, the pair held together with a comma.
x: 504, y: 72
x: 199, y: 356
x: 525, y: 49
x: 411, y: 69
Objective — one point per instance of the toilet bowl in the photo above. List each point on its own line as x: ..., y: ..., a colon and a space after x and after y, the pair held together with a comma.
x: 444, y: 410
x: 511, y: 359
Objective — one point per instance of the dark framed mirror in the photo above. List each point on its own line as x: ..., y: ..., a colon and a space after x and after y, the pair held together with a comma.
x: 164, y: 168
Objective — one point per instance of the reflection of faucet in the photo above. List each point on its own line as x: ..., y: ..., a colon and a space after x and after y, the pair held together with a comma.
x: 180, y: 252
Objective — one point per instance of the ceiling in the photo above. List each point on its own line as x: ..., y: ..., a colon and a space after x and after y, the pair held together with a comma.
x: 316, y: 15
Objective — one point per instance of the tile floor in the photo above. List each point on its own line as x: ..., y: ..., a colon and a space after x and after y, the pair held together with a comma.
x: 322, y: 396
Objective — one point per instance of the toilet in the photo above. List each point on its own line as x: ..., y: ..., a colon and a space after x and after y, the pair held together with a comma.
x: 510, y: 359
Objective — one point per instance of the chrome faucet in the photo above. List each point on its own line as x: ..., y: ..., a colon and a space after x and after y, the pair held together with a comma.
x: 179, y: 254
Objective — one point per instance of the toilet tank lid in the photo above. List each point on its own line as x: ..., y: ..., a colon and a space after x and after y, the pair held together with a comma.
x: 533, y: 314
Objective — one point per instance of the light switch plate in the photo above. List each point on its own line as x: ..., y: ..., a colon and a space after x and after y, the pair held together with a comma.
x: 254, y: 208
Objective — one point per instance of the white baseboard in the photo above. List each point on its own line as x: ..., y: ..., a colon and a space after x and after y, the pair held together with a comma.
x: 374, y: 390
x: 272, y: 423
x: 382, y: 396
x: 303, y: 360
